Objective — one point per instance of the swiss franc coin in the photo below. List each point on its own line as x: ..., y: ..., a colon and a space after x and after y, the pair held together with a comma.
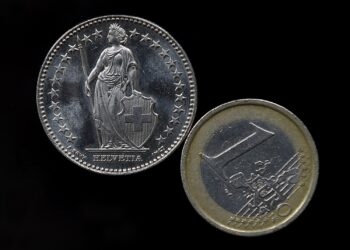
x: 116, y: 94
x: 249, y: 167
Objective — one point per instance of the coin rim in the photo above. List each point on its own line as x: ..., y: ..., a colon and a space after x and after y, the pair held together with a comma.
x: 284, y: 112
x: 192, y: 94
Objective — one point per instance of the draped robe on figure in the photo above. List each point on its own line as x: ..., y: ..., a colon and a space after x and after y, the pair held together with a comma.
x: 108, y: 93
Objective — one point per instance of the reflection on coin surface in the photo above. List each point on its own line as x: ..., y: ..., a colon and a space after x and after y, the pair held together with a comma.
x: 116, y: 94
x: 249, y: 167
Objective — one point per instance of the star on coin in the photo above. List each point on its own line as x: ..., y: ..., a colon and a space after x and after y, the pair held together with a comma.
x: 171, y: 63
x: 97, y: 34
x: 179, y: 86
x: 86, y: 39
x: 55, y: 80
x: 164, y: 53
x: 54, y: 105
x: 133, y: 33
x: 65, y: 57
x: 168, y: 130
x: 155, y: 44
x: 178, y: 109
x: 53, y: 92
x: 70, y: 137
x: 176, y: 74
x: 179, y: 98
x: 63, y: 128
x: 174, y: 120
x: 160, y: 139
x: 60, y: 69
x: 58, y: 117
x: 145, y: 38
x: 72, y: 48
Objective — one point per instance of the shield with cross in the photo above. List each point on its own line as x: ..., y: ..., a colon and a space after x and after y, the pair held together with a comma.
x: 137, y: 118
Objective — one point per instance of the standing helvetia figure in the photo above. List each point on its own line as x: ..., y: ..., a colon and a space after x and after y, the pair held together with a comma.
x: 115, y: 71
x: 131, y: 108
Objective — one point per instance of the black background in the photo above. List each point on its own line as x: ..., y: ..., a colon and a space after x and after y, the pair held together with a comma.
x: 268, y: 52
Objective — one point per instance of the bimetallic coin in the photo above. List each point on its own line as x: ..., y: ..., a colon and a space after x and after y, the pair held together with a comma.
x: 116, y: 94
x: 249, y: 167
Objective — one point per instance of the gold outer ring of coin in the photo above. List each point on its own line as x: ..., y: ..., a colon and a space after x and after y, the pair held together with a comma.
x: 195, y: 189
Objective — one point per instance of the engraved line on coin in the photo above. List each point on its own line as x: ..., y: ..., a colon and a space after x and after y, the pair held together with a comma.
x: 267, y: 190
x: 258, y: 136
x: 263, y: 192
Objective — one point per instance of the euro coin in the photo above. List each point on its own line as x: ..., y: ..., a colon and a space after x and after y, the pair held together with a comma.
x: 249, y: 167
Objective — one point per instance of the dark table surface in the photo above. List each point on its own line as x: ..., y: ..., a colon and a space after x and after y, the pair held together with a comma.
x: 47, y: 202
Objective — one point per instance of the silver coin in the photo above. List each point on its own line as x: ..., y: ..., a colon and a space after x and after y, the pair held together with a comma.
x: 116, y: 94
x: 249, y: 167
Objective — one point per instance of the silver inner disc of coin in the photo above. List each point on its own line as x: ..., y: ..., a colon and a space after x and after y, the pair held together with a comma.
x: 263, y: 166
